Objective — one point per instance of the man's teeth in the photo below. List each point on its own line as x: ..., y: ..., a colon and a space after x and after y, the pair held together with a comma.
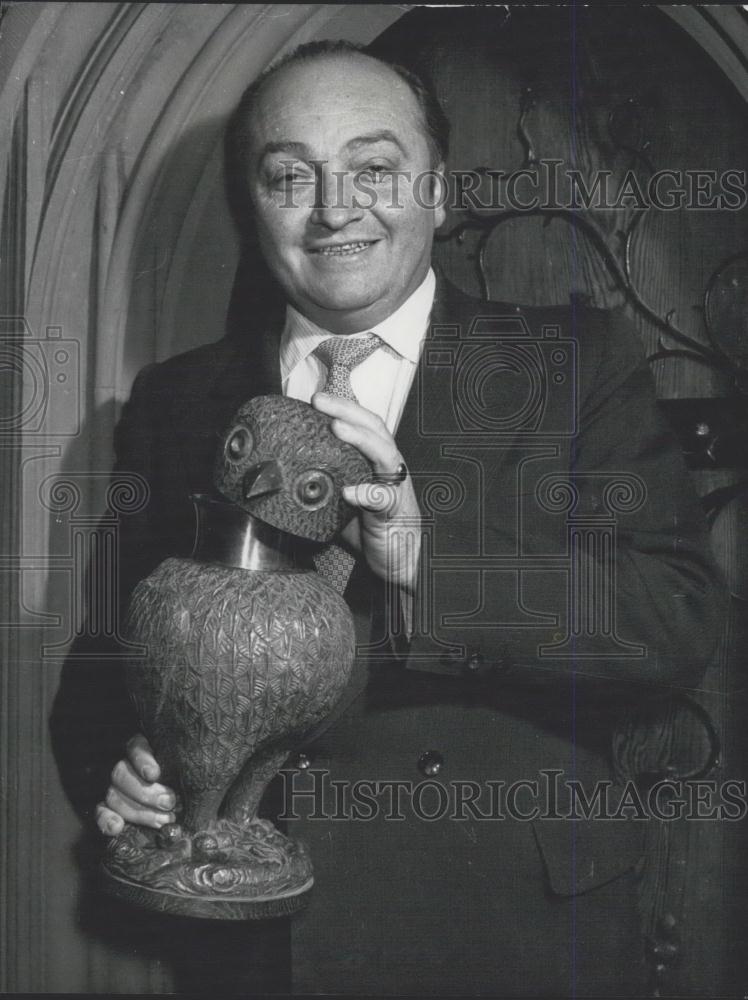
x: 344, y: 249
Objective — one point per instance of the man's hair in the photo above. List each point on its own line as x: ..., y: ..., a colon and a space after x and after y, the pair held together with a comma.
x: 237, y: 136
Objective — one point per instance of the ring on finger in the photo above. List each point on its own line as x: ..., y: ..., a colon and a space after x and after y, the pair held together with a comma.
x: 392, y: 478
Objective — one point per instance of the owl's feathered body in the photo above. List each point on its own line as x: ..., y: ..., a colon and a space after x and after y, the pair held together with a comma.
x: 236, y: 661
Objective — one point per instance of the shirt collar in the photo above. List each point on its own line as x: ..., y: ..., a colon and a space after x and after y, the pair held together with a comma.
x: 403, y: 331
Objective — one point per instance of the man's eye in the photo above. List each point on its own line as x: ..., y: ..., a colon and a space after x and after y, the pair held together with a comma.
x: 287, y: 179
x: 376, y: 173
x: 286, y: 173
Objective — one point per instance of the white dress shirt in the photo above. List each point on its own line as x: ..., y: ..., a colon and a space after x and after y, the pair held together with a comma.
x: 382, y: 382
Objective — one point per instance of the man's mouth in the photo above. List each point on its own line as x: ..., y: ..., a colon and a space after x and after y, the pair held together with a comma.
x: 343, y: 249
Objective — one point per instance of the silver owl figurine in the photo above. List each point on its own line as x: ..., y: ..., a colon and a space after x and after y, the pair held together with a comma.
x: 246, y: 648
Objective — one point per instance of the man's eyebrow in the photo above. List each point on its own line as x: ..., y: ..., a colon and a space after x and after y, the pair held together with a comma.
x: 384, y: 135
x: 300, y: 149
x: 303, y: 151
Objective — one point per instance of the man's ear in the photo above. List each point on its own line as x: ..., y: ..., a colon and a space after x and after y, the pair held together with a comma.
x: 439, y: 193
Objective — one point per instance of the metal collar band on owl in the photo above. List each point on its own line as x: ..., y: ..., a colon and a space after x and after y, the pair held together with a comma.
x: 280, y: 461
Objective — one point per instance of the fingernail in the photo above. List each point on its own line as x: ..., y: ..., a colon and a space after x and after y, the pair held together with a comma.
x: 150, y: 773
x: 165, y: 801
x: 112, y: 826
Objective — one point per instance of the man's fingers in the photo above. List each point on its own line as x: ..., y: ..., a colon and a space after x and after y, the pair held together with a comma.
x: 350, y: 412
x: 378, y: 498
x: 141, y: 757
x: 364, y: 430
x: 390, y: 515
x: 135, y: 812
x: 109, y: 822
x: 134, y: 796
x: 381, y: 451
x: 147, y: 793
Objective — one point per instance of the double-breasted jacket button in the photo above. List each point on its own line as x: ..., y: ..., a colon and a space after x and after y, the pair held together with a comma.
x: 430, y: 763
x: 303, y: 761
x: 475, y: 664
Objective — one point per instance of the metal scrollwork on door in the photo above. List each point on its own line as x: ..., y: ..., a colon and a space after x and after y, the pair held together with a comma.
x: 712, y: 431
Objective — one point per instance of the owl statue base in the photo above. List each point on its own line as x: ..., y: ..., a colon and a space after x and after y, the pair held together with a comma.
x: 230, y: 871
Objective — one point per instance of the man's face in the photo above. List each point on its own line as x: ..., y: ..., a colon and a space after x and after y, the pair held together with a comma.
x: 327, y: 137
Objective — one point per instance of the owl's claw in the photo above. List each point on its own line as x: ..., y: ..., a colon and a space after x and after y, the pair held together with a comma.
x: 170, y: 836
x: 207, y: 847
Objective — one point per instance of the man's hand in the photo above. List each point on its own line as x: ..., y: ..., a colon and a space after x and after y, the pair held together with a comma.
x: 135, y: 794
x: 389, y: 532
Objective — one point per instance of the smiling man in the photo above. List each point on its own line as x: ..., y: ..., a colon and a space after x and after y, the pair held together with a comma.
x: 327, y: 153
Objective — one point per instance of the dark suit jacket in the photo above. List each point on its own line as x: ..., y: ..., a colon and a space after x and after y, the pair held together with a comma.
x: 505, y: 420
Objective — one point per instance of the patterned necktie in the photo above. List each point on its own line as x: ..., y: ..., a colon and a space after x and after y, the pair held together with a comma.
x: 340, y: 355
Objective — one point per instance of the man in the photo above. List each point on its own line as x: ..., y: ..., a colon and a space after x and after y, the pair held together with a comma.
x: 485, y: 684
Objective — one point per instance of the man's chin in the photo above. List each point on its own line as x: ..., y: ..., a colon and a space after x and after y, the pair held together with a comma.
x: 341, y: 303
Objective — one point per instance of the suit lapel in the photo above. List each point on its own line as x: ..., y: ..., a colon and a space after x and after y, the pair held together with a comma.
x: 450, y: 320
x: 420, y: 451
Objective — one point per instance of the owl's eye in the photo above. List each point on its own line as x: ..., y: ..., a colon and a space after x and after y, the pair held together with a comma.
x: 313, y: 489
x: 239, y: 444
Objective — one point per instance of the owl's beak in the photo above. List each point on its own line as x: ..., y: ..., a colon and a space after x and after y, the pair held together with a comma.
x: 265, y: 477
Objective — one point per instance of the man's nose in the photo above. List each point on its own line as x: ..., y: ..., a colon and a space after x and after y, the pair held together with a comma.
x: 335, y: 203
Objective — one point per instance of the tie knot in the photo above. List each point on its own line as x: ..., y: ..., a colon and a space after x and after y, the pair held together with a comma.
x: 340, y: 355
